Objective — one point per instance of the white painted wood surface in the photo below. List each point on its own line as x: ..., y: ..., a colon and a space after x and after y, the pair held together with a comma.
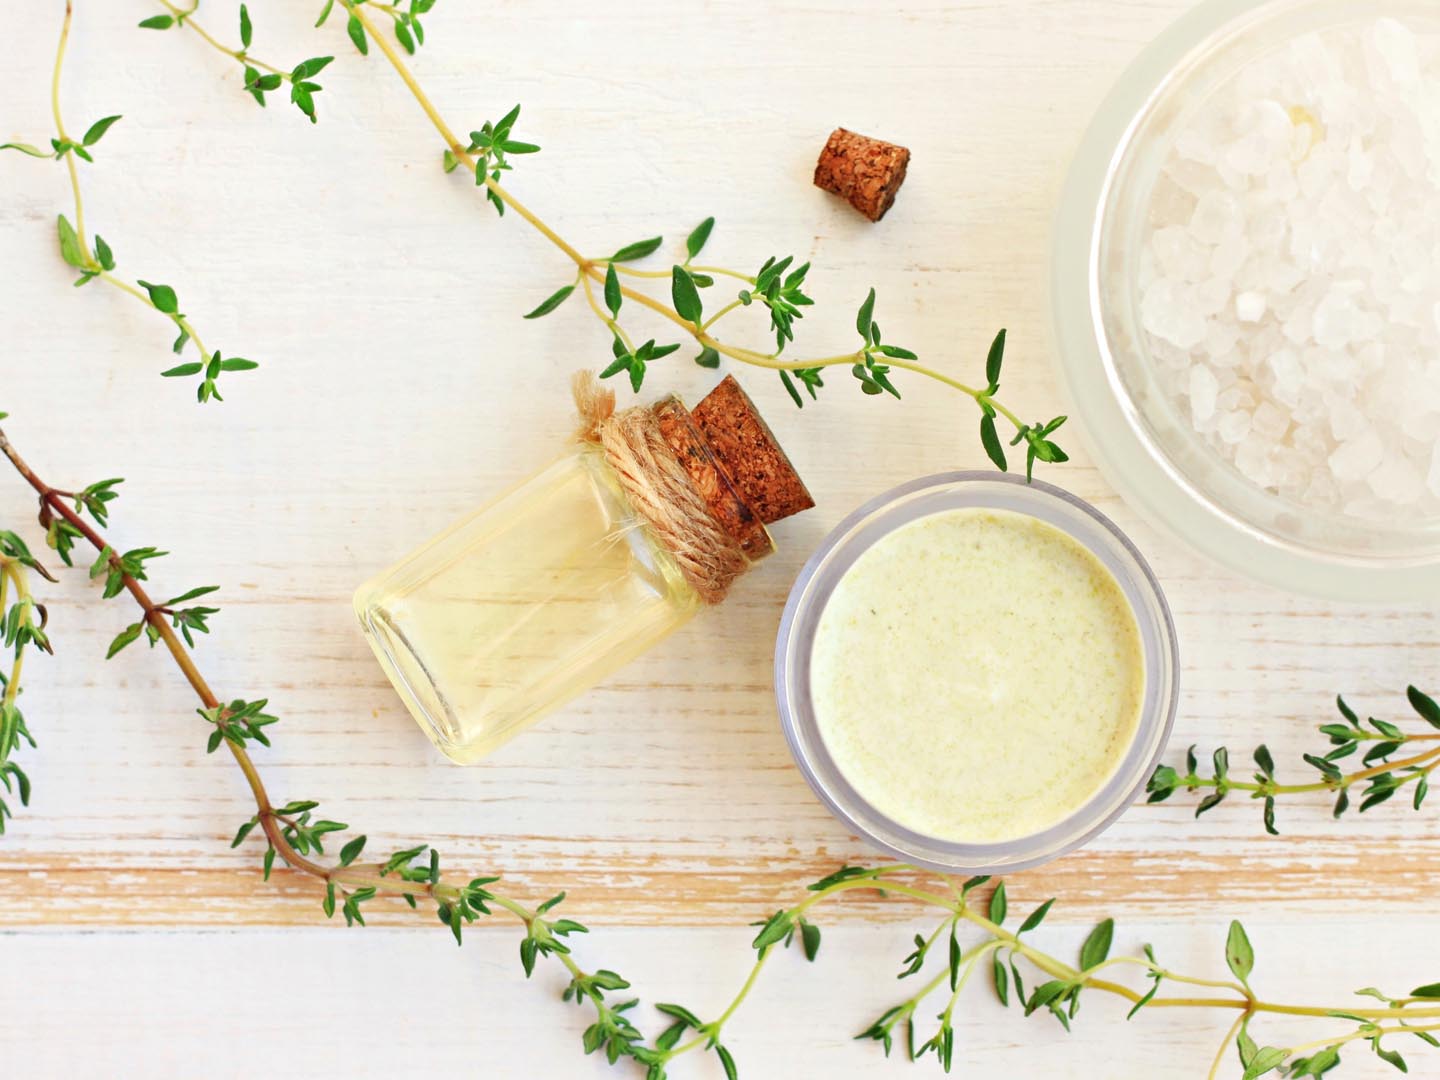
x: 399, y: 386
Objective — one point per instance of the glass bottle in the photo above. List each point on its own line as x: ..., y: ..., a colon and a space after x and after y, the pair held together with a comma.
x: 539, y: 595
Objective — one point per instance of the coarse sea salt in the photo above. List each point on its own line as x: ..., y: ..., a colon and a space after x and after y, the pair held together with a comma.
x: 1290, y: 275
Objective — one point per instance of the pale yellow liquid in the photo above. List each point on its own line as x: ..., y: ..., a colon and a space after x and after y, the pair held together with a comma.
x: 521, y: 606
x: 977, y: 675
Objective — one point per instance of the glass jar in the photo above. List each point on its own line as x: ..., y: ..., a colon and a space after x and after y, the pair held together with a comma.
x: 905, y: 505
x: 536, y: 597
x: 1146, y: 445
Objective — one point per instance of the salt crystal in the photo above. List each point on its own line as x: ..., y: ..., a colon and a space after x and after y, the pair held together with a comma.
x: 1250, y: 307
x: 1203, y: 391
x: 1252, y: 458
x: 1397, y: 480
x: 1177, y: 253
x: 1270, y: 422
x: 1359, y: 457
x: 1233, y: 426
x: 1168, y: 311
x: 1228, y: 257
x: 1288, y: 379
x: 1216, y: 214
x: 1336, y: 320
x: 1398, y: 50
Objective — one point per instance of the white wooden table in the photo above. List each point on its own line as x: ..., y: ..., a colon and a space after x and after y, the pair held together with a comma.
x: 399, y: 387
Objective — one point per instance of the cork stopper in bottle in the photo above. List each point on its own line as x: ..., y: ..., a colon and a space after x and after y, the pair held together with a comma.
x: 747, y: 450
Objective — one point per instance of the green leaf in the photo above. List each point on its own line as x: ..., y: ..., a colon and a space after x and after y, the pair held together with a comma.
x: 708, y: 358
x: 1425, y: 705
x: 551, y: 302
x: 1002, y: 981
x: 1390, y: 1057
x: 104, y: 254
x: 1264, y: 760
x: 954, y: 958
x: 684, y: 295
x: 810, y: 939
x: 406, y: 39
x: 865, y: 318
x: 775, y: 929
x: 352, y: 850
x: 994, y: 361
x: 998, y: 904
x: 991, y: 441
x: 1266, y: 1059
x: 238, y: 363
x: 1238, y: 953
x: 157, y: 22
x: 791, y: 390
x: 696, y: 240
x: 243, y: 832
x: 308, y: 69
x: 124, y: 638
x: 70, y: 249
x: 679, y: 1012
x: 638, y: 250
x: 1036, y: 917
x: 97, y: 130
x: 193, y: 367
x: 613, y: 297
x: 324, y: 13
x: 356, y: 29
x: 1430, y: 991
x: 162, y: 296
x: 1097, y: 945
x: 727, y: 1062
x: 24, y: 148
x: 246, y: 30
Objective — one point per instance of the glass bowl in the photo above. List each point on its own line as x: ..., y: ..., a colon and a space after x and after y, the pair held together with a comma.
x: 998, y: 491
x: 1147, y: 450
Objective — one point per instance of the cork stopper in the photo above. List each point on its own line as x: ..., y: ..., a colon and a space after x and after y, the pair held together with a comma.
x: 747, y: 450
x: 867, y: 172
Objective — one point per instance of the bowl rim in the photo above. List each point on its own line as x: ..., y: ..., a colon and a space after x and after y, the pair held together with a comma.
x: 1153, y: 729
x: 1126, y: 454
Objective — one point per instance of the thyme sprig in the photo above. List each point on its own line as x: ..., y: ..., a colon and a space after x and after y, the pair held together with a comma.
x: 22, y: 627
x: 96, y: 261
x: 1380, y: 777
x: 777, y: 287
x: 261, y: 78
x: 297, y: 836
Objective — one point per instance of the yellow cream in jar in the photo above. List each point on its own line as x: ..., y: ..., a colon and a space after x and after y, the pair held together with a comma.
x: 977, y: 675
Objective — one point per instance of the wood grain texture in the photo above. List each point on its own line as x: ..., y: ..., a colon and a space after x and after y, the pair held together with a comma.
x: 399, y: 388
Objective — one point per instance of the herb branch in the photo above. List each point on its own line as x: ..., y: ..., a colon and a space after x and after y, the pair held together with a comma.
x: 1381, y: 776
x: 96, y: 261
x: 777, y: 287
x: 22, y: 627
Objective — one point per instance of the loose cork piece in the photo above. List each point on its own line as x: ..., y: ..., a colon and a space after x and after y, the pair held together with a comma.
x: 865, y: 171
x: 747, y: 450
